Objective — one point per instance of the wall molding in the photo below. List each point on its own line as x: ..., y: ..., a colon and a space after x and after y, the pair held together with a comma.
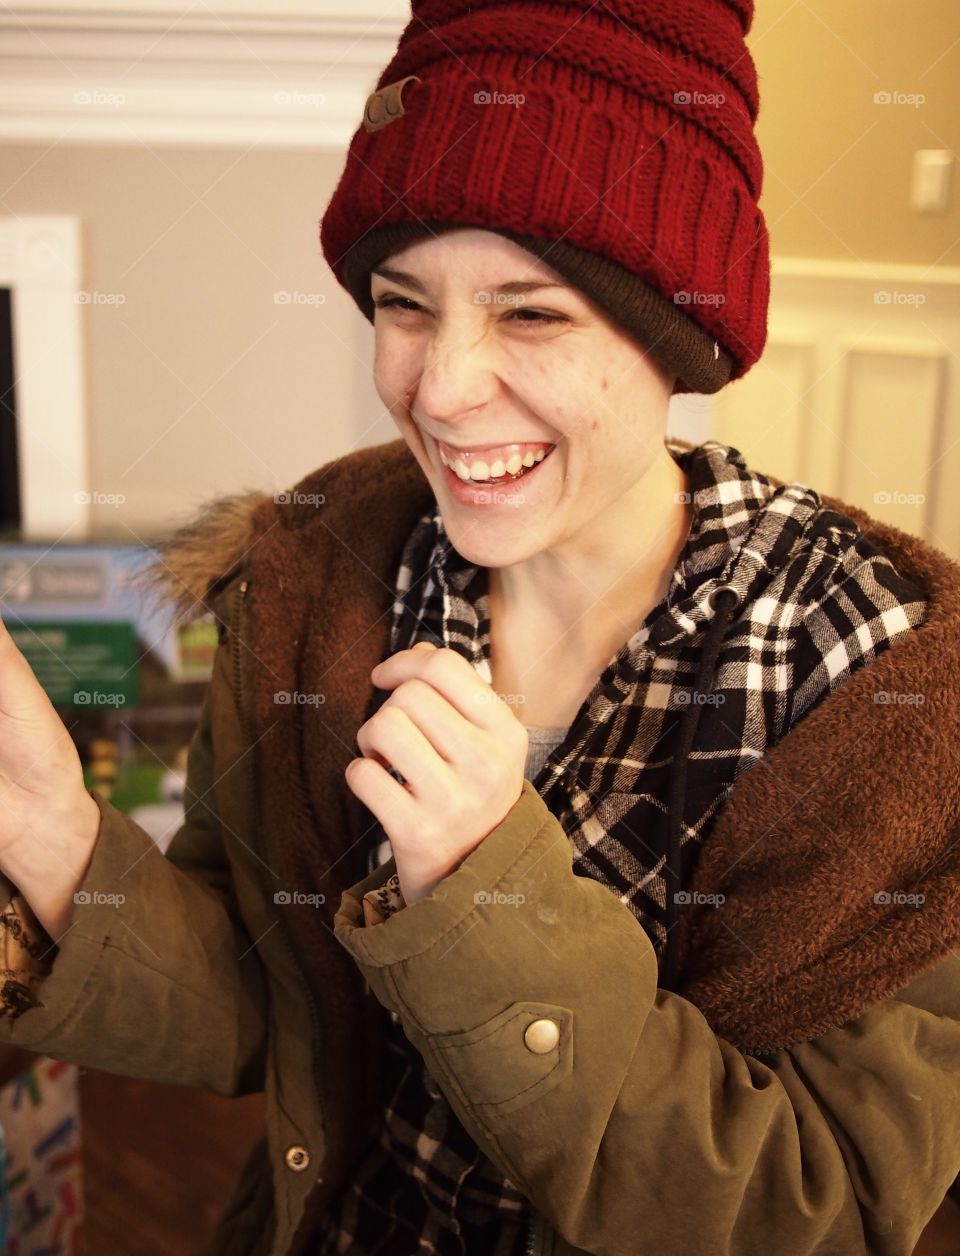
x: 230, y: 74
x: 857, y: 392
x: 863, y: 272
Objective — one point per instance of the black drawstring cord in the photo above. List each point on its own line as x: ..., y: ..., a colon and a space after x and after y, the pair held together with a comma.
x: 723, y: 599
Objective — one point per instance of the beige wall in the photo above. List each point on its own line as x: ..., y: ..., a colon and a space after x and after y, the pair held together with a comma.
x: 200, y: 383
x: 838, y: 166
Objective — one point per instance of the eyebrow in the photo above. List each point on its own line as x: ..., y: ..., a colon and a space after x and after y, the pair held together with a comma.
x: 513, y: 288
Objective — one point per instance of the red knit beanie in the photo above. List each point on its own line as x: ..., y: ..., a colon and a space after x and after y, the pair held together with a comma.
x: 615, y: 141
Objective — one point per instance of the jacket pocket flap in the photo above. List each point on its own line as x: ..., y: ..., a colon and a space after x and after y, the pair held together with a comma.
x: 512, y: 1058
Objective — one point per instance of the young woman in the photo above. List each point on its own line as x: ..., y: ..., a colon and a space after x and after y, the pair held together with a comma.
x: 559, y: 854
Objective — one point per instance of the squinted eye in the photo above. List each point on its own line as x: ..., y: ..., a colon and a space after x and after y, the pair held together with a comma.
x: 531, y: 318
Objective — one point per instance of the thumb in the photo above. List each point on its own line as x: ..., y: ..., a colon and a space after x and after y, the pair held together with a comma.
x: 429, y: 645
x: 21, y: 695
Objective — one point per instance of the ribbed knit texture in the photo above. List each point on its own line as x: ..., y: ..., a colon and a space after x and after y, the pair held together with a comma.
x: 633, y: 141
x: 540, y: 743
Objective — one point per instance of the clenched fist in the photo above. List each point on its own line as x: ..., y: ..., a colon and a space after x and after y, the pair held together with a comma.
x: 461, y: 751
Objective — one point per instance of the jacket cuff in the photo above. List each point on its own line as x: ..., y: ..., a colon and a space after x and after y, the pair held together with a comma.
x: 27, y: 952
x: 384, y: 901
x: 71, y: 963
x: 470, y: 886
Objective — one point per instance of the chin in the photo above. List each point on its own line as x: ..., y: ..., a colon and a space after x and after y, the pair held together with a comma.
x: 486, y: 544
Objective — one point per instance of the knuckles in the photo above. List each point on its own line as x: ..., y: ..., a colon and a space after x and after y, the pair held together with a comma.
x: 408, y: 690
x: 442, y: 663
x: 391, y: 717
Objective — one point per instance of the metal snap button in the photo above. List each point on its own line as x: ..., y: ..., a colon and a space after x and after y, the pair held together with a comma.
x: 297, y: 1158
x: 541, y: 1036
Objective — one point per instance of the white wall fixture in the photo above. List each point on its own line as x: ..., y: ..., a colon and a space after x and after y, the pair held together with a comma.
x: 40, y: 263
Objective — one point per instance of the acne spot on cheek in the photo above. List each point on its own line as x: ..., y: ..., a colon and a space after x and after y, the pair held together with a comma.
x: 593, y: 424
x: 604, y: 385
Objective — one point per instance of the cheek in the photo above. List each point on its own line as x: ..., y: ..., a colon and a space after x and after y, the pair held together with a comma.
x: 394, y: 373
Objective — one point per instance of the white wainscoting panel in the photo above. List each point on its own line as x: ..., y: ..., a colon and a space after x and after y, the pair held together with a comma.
x: 857, y: 392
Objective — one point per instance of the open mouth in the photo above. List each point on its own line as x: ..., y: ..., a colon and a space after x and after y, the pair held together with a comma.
x: 504, y: 464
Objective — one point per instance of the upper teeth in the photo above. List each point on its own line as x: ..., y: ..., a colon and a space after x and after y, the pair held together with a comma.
x: 479, y: 469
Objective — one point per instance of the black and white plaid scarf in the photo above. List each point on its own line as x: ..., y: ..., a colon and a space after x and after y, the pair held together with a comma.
x: 815, y: 601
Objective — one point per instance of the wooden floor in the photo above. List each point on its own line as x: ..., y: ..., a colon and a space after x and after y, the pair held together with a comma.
x: 160, y: 1162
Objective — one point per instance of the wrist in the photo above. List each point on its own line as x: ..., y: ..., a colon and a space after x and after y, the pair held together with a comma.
x: 49, y: 863
x: 70, y: 829
x: 417, y: 887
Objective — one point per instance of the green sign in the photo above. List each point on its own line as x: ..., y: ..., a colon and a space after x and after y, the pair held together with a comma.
x: 81, y: 663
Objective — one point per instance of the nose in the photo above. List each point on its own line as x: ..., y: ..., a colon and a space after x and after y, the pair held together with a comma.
x: 457, y: 375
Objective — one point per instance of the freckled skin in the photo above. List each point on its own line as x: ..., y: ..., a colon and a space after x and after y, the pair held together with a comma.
x: 471, y: 373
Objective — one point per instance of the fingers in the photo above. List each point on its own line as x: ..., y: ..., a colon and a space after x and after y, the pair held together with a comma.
x: 392, y: 735
x: 453, y: 677
x: 452, y: 737
x: 386, y: 797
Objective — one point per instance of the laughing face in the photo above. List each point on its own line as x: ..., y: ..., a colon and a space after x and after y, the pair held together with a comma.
x: 538, y: 422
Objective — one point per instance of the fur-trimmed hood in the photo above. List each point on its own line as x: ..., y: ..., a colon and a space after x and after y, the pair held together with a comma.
x: 193, y: 564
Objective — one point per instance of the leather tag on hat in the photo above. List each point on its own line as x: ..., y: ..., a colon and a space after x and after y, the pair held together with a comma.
x: 385, y: 105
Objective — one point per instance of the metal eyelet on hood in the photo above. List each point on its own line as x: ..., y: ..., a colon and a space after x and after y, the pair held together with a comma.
x: 715, y: 596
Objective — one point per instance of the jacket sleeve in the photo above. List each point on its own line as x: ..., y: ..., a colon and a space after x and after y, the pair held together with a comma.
x: 635, y: 1117
x: 156, y: 977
